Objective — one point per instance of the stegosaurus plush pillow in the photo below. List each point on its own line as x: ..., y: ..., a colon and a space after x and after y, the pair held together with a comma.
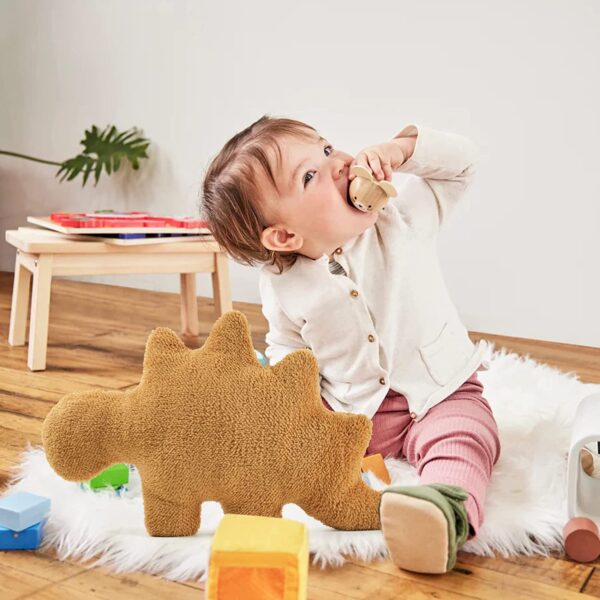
x: 213, y: 424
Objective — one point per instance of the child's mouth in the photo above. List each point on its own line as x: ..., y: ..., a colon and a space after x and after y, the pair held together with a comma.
x: 348, y: 200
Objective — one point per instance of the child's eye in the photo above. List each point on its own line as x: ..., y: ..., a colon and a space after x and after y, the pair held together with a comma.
x: 307, y: 172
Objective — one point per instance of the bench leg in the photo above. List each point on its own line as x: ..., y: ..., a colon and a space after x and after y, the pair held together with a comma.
x: 20, y: 303
x: 189, y: 304
x: 220, y: 283
x: 40, y: 310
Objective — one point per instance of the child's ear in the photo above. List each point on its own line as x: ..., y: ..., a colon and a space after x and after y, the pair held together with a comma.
x: 278, y: 238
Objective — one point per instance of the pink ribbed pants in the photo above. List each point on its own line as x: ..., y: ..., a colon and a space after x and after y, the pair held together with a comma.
x: 456, y: 442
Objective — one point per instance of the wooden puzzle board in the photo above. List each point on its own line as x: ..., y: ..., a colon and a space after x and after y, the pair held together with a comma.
x: 49, y: 224
x: 41, y: 232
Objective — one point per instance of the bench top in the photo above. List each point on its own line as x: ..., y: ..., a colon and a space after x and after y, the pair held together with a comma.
x: 43, y: 241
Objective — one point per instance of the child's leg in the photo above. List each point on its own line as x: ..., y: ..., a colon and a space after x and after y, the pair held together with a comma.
x: 457, y: 443
x: 390, y: 425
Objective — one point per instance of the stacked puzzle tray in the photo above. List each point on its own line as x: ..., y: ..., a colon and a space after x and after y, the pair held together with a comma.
x: 125, y: 228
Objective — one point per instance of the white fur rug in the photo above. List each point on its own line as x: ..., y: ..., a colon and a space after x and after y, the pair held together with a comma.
x: 525, y: 509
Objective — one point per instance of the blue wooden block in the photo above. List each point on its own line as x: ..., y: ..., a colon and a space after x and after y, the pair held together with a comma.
x: 22, y: 510
x: 28, y: 539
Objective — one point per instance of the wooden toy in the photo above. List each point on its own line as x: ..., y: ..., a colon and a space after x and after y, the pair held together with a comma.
x: 115, y: 476
x: 22, y: 510
x: 375, y: 464
x: 581, y: 537
x: 214, y: 424
x: 258, y: 558
x: 27, y: 539
x: 367, y: 193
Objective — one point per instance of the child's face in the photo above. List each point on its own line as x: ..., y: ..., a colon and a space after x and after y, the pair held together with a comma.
x: 313, y: 216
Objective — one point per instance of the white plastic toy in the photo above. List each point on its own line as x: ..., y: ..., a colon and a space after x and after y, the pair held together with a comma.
x: 581, y: 533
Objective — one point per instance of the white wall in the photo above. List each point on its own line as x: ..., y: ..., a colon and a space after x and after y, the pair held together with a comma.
x: 520, y: 78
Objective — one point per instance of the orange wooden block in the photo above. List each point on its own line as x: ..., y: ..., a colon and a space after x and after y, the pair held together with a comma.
x: 258, y: 558
x: 375, y: 464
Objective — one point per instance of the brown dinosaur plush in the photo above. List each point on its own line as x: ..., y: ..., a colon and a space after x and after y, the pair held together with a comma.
x: 213, y: 424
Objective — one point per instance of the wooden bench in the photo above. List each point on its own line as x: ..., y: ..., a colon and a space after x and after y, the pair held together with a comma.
x: 41, y: 254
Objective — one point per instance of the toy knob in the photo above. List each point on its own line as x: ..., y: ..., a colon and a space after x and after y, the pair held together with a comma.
x: 581, y: 539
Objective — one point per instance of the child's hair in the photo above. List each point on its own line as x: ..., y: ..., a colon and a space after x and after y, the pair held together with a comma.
x: 231, y: 198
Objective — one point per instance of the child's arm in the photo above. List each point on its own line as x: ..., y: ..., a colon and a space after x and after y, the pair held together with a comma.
x: 283, y: 336
x: 445, y: 163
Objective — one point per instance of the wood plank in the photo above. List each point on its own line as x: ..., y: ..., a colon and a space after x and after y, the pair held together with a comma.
x: 592, y: 585
x: 383, y: 580
x: 85, y: 361
x: 15, y: 583
x: 358, y: 582
x: 104, y: 585
x: 14, y: 442
x: 582, y: 360
x: 45, y: 564
x: 556, y: 570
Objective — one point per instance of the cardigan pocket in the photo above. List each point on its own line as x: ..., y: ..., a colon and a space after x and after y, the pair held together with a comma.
x: 446, y: 355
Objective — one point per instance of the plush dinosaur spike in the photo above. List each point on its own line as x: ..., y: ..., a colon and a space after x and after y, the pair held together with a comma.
x: 301, y: 369
x: 162, y: 347
x: 213, y: 424
x: 231, y: 335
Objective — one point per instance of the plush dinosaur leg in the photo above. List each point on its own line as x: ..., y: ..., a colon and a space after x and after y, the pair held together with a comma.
x: 169, y: 516
x: 351, y: 509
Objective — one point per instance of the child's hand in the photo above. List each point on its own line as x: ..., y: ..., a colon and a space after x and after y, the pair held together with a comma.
x: 381, y: 159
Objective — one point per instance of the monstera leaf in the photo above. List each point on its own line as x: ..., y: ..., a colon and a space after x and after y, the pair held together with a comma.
x: 109, y: 147
x: 101, y: 150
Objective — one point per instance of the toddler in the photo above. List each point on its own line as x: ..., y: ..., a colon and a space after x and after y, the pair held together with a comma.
x: 364, y: 291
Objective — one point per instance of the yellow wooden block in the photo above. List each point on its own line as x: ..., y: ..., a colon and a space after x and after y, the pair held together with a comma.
x: 258, y: 558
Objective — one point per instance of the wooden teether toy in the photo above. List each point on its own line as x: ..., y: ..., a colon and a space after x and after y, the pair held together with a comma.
x: 366, y: 193
x: 581, y: 532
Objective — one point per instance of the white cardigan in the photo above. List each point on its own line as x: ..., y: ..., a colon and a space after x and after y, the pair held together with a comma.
x: 389, y: 320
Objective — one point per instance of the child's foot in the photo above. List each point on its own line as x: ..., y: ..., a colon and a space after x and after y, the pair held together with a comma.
x: 423, y: 525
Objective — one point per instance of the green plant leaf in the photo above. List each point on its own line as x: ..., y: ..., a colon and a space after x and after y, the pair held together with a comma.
x: 105, y: 149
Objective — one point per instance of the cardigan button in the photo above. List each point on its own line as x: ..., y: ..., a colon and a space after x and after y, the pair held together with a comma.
x: 371, y: 338
x: 354, y: 293
x: 337, y: 251
x: 413, y: 415
x: 382, y: 381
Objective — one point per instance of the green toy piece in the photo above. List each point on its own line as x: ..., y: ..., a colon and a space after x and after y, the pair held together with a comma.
x: 115, y: 476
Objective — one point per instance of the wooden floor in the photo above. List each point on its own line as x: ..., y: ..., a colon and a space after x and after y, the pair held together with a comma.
x: 96, y: 338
